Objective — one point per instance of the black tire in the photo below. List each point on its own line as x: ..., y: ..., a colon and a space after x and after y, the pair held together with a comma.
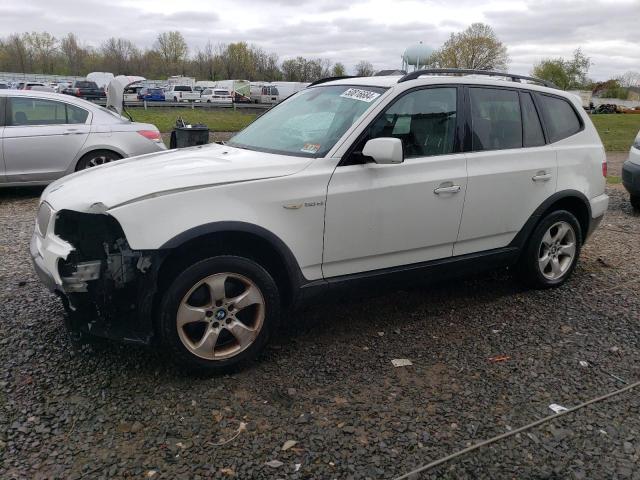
x: 97, y: 157
x: 635, y: 202
x: 183, y: 284
x: 529, y: 270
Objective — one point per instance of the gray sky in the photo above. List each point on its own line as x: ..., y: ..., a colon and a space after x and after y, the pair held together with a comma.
x: 351, y: 30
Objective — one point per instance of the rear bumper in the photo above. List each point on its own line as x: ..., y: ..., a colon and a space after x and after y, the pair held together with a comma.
x: 631, y: 176
x: 599, y: 206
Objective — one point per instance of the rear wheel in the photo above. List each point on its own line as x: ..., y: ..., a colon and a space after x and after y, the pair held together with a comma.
x: 218, y: 313
x: 95, y: 158
x: 635, y: 202
x: 552, y: 251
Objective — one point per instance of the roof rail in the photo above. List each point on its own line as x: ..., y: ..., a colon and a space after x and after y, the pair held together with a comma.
x: 461, y: 71
x: 329, y: 79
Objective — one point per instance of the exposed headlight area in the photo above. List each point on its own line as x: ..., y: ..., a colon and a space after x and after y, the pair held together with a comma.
x: 43, y: 218
x: 636, y: 143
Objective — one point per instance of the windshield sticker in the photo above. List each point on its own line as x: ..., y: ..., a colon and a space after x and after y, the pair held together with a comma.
x: 310, y: 148
x: 359, y: 94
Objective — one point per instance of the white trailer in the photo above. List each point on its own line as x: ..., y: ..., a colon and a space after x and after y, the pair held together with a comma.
x: 102, y: 79
x: 286, y: 89
x: 180, y: 80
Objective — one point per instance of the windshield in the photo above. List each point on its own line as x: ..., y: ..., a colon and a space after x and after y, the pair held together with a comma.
x: 310, y: 122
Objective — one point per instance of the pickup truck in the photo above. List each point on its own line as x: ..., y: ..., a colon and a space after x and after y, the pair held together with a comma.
x: 181, y: 93
x: 85, y: 89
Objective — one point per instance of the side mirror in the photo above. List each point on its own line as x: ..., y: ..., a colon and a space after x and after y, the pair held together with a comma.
x: 384, y: 150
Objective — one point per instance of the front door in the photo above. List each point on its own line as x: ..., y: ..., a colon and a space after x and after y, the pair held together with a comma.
x: 382, y: 216
x: 42, y: 138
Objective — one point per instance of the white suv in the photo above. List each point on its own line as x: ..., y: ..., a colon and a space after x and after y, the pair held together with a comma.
x: 349, y: 180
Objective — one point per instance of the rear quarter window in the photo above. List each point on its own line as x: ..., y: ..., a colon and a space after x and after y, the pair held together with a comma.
x: 560, y: 118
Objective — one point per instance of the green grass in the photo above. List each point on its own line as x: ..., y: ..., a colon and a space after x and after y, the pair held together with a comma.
x: 216, y: 120
x: 617, y: 131
x: 613, y: 180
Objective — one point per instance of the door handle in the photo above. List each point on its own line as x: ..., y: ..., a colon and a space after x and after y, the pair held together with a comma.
x: 447, y: 189
x: 71, y: 131
x: 541, y: 176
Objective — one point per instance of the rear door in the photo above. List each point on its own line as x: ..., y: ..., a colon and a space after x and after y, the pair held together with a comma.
x: 511, y: 170
x: 42, y: 138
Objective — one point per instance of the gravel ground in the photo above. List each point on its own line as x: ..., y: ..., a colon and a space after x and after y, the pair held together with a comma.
x: 327, y: 382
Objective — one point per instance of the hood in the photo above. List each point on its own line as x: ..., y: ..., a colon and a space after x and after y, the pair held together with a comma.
x: 115, y: 91
x: 138, y: 178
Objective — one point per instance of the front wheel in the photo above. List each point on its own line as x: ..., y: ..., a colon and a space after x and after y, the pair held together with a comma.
x: 552, y: 251
x: 635, y: 202
x: 218, y: 313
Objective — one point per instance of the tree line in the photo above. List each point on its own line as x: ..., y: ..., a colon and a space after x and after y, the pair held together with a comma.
x: 477, y: 47
x: 43, y: 53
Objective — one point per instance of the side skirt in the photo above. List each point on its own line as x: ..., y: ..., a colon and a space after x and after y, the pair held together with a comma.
x: 423, y: 273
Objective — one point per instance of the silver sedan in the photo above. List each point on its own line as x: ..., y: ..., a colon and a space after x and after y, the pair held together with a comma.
x: 44, y: 136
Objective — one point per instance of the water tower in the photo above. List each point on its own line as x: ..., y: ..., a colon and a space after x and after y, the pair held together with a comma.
x: 416, y: 56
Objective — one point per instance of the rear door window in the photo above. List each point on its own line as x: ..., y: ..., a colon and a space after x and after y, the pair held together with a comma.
x: 533, y: 136
x: 76, y: 114
x: 35, y: 111
x: 495, y: 119
x: 560, y: 119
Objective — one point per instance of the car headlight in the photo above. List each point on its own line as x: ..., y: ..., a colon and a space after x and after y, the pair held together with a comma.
x: 636, y: 143
x: 43, y: 218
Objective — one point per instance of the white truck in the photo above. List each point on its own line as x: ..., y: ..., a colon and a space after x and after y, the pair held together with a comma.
x: 265, y: 93
x: 181, y: 93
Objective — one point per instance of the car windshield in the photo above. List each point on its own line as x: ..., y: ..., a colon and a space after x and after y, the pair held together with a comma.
x: 86, y: 85
x: 310, y: 122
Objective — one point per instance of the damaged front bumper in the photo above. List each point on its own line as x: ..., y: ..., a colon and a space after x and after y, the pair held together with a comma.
x: 107, y: 288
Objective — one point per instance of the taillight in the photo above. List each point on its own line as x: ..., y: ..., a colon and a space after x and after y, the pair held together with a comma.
x: 28, y: 87
x: 604, y: 169
x: 77, y: 91
x: 152, y: 135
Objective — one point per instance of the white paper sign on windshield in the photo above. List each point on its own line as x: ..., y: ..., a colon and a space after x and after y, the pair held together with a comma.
x: 359, y: 94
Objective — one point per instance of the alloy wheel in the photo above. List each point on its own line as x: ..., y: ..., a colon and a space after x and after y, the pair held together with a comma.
x: 557, y: 250
x: 220, y: 316
x: 98, y: 160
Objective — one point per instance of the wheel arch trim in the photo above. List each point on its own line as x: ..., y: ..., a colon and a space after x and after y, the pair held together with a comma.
x: 291, y: 264
x: 523, y: 235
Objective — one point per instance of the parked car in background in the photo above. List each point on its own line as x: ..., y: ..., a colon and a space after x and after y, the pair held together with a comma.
x: 60, y: 86
x: 181, y: 93
x: 216, y: 95
x: 4, y: 86
x: 48, y: 135
x: 85, y: 89
x: 347, y: 182
x: 240, y: 89
x: 151, y: 95
x: 34, y: 86
x: 631, y: 173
